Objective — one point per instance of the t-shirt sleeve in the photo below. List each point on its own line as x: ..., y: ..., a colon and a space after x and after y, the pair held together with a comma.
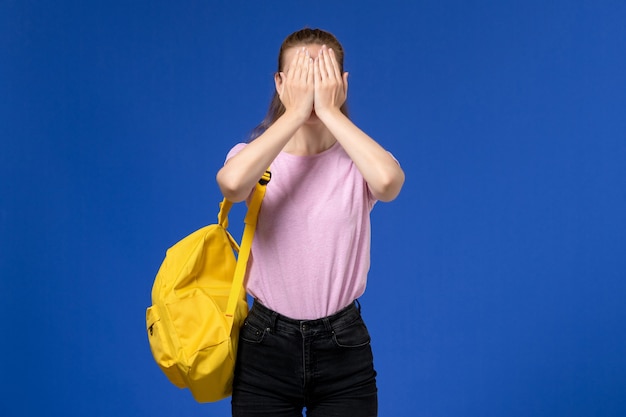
x: 235, y: 150
x: 394, y: 158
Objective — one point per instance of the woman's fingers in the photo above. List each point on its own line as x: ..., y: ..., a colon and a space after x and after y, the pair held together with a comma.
x: 304, y: 68
x: 320, y: 66
x: 329, y: 68
x: 300, y: 66
x: 331, y: 64
x: 297, y: 85
x: 289, y: 71
x: 316, y: 70
x: 310, y: 79
x: 330, y: 84
x: 297, y: 69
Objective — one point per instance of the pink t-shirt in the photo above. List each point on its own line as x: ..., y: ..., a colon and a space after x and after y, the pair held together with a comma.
x: 311, y: 251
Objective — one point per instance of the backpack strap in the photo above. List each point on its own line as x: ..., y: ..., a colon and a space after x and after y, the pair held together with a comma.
x: 246, y: 243
x: 222, y: 216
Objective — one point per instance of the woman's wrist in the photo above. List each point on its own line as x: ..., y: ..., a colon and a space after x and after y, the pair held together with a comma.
x: 295, y: 117
x: 328, y: 115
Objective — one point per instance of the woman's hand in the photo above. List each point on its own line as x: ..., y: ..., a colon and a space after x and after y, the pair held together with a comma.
x: 331, y: 88
x: 296, y: 86
x: 380, y: 170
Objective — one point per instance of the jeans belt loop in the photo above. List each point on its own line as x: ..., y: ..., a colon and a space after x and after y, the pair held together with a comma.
x: 327, y: 325
x: 272, y: 321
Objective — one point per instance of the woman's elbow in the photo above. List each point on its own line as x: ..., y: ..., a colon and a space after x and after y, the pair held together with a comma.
x: 389, y: 187
x: 230, y: 188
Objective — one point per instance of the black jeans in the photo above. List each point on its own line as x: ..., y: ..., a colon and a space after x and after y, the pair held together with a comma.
x: 285, y: 365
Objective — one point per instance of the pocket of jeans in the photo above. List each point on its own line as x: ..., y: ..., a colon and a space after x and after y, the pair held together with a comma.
x: 352, y: 336
x: 250, y: 333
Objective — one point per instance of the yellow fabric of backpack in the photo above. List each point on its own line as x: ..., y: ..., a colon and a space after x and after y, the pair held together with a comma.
x: 199, y: 303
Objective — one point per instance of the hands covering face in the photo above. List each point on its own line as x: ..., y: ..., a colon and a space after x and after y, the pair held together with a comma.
x: 313, y: 84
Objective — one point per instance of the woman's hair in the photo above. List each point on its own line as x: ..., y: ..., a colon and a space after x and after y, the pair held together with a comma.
x: 304, y: 36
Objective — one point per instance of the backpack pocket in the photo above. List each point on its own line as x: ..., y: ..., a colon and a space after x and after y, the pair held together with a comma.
x: 162, y: 348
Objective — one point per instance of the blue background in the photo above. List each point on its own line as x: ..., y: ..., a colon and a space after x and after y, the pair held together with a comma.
x: 497, y: 285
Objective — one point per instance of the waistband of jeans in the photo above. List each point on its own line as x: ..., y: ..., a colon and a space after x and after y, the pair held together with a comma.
x: 344, y: 316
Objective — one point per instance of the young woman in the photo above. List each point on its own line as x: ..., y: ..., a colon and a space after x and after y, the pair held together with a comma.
x: 304, y: 343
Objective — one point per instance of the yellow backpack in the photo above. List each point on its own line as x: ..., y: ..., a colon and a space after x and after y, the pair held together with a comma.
x: 199, y: 304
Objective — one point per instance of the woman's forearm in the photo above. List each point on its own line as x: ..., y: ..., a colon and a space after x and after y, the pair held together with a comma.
x: 379, y: 169
x: 238, y: 176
